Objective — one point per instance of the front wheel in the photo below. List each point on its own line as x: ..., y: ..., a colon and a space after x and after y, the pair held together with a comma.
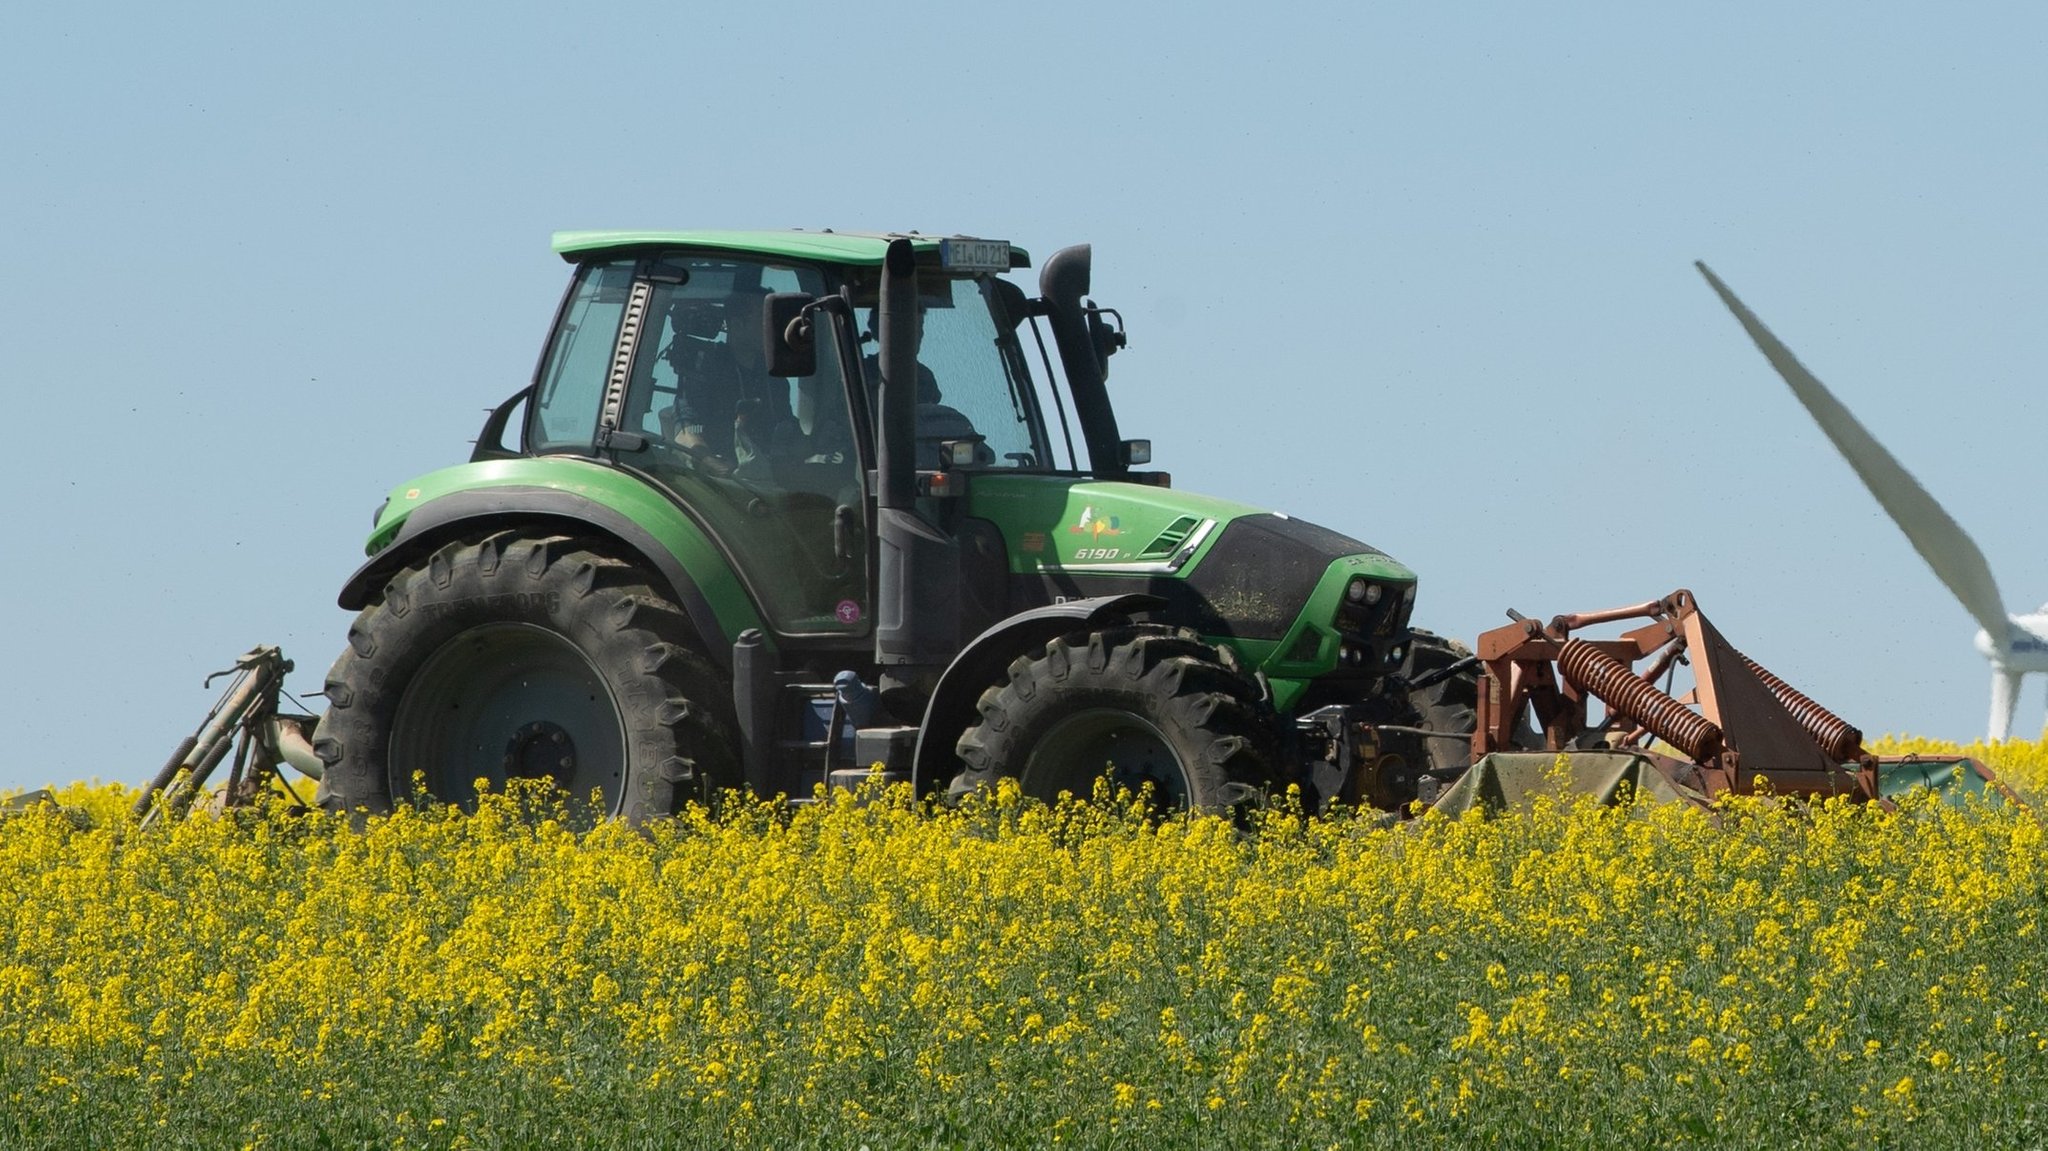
x: 1447, y: 705
x: 524, y: 656
x: 1145, y: 707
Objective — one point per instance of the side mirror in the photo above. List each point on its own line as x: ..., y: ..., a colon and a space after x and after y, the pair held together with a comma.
x: 1013, y: 305
x: 1102, y: 337
x: 791, y: 349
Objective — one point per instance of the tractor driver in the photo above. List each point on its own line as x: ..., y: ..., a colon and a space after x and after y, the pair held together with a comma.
x: 937, y: 422
x: 727, y: 407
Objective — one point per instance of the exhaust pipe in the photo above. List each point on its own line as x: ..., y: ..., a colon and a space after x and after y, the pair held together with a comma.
x: 896, y: 456
x: 1063, y: 282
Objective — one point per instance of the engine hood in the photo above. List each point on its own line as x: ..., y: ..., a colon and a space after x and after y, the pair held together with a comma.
x: 1055, y: 524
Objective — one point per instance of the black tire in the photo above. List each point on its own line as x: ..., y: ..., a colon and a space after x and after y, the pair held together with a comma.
x: 1139, y: 704
x: 524, y: 655
x: 1451, y: 704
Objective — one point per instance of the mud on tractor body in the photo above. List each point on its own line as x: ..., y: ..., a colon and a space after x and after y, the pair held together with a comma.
x: 778, y: 508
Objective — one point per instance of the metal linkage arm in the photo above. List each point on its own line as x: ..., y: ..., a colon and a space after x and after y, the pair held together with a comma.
x: 247, y: 707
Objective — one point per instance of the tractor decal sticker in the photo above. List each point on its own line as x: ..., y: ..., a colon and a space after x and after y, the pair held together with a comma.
x: 848, y: 611
x: 1096, y: 526
x: 1032, y: 541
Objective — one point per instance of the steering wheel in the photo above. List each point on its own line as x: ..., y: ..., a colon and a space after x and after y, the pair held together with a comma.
x: 700, y: 459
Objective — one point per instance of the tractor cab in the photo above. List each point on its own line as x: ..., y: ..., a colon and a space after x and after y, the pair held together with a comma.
x: 768, y: 436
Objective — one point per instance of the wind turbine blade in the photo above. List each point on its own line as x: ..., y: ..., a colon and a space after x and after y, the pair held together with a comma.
x: 1955, y: 558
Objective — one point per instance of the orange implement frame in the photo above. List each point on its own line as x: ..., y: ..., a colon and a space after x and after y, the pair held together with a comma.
x: 1739, y: 723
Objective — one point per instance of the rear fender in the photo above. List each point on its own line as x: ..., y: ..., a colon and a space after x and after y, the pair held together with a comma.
x: 483, y: 509
x: 980, y: 666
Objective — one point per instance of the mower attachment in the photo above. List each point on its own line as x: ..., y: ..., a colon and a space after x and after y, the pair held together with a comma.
x: 1740, y: 729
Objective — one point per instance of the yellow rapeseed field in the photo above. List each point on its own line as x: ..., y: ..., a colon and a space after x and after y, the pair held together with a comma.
x: 885, y: 975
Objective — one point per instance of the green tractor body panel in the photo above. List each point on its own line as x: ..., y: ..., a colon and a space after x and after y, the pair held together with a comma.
x: 1055, y: 523
x: 602, y: 485
x: 1276, y: 601
x: 1958, y: 780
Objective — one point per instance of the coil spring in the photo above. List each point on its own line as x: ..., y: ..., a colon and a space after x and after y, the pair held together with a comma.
x: 1590, y: 669
x: 1835, y: 735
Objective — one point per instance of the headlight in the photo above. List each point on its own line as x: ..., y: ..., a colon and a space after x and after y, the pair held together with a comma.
x: 1355, y: 591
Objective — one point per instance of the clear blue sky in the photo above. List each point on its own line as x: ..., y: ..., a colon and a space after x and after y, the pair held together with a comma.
x: 1423, y: 275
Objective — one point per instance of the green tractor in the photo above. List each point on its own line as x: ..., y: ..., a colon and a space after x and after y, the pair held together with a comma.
x: 781, y: 507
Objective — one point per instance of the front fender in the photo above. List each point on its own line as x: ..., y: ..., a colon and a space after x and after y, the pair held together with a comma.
x: 486, y: 508
x: 980, y: 665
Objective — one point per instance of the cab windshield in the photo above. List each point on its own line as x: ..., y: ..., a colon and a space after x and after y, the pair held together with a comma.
x: 971, y: 379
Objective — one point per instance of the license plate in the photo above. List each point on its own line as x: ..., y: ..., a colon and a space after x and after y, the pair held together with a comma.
x: 975, y: 255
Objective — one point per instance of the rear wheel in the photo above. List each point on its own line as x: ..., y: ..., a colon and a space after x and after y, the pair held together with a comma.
x: 1142, y: 706
x: 524, y: 656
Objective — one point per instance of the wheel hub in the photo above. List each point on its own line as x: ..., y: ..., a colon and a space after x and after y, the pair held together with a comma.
x: 540, y: 750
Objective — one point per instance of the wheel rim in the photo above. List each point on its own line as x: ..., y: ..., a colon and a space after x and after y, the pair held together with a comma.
x: 509, y: 701
x: 1126, y: 748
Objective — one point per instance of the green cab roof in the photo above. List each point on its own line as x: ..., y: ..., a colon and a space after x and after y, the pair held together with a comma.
x: 864, y: 248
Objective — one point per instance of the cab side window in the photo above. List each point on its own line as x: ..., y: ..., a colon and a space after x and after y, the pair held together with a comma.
x: 572, y: 379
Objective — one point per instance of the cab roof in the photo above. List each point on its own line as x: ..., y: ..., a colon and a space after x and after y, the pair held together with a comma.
x: 862, y: 248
